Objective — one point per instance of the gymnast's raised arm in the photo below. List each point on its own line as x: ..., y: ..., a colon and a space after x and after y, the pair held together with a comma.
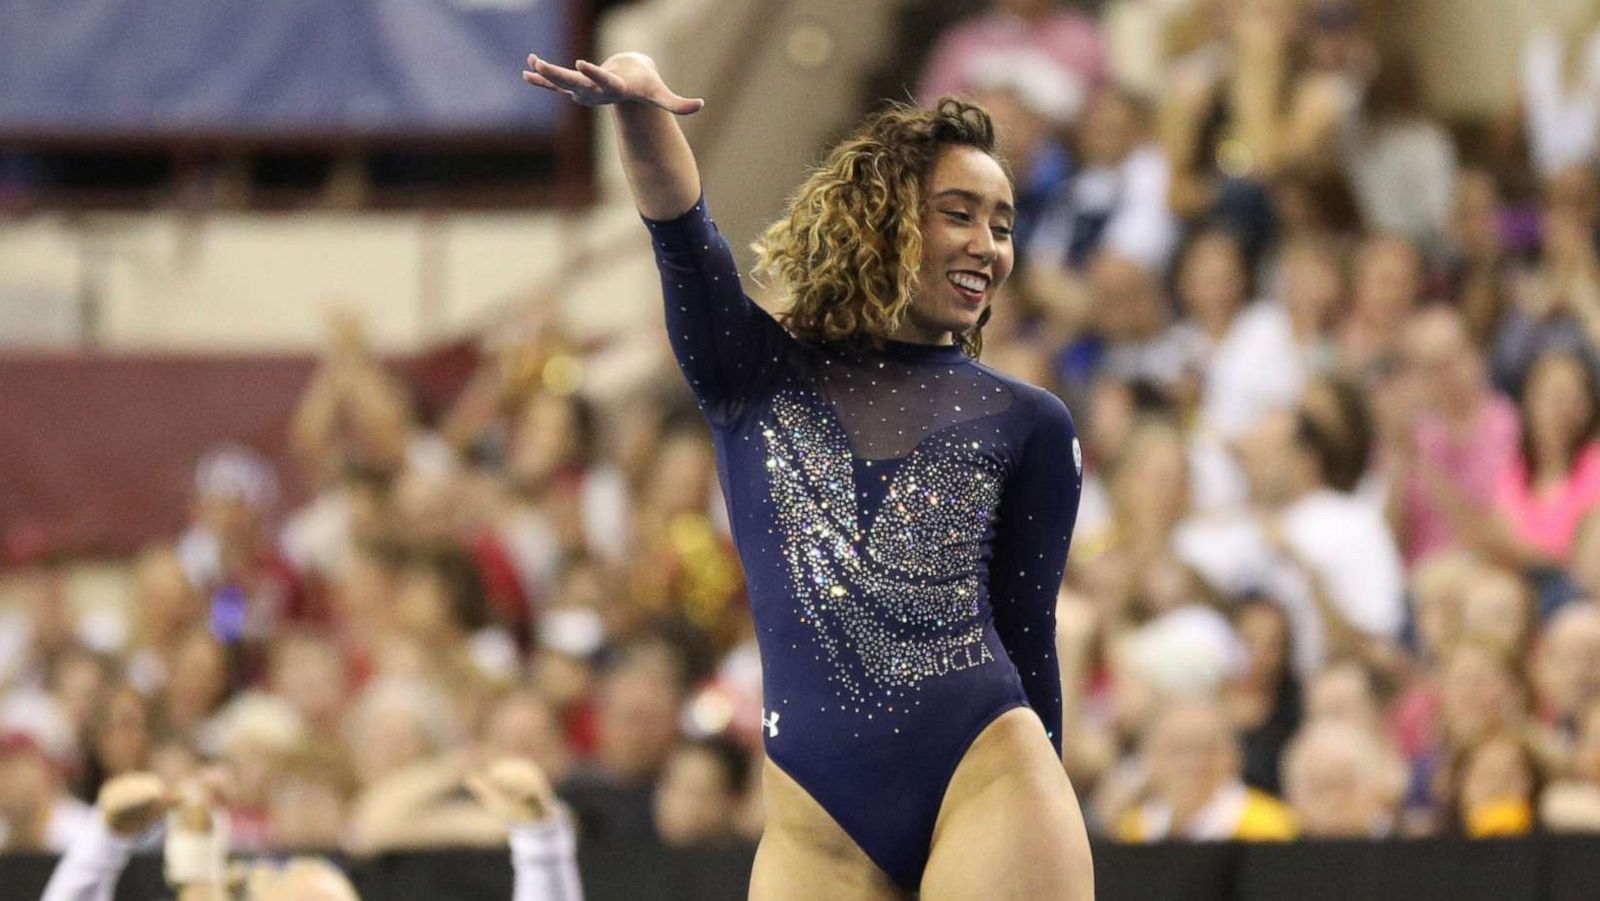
x: 729, y: 349
x: 655, y: 155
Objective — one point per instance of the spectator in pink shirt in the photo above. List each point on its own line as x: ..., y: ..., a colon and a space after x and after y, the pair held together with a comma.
x: 1048, y: 28
x: 1463, y: 435
x: 1554, y: 482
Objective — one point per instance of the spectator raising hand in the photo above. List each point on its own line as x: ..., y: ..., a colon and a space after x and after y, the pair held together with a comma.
x: 543, y: 844
x: 515, y: 790
x: 132, y: 803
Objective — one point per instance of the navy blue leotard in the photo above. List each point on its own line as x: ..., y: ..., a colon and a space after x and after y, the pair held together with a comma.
x: 903, y: 516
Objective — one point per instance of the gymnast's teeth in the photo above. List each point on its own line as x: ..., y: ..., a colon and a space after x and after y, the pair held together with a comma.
x: 971, y: 281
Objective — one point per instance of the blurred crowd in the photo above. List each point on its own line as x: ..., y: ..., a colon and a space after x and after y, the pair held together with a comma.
x: 1336, y: 570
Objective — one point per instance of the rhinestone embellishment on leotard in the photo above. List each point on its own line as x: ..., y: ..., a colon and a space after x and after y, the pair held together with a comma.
x: 894, y: 601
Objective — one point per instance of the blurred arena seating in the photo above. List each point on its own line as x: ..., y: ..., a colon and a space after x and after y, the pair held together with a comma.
x: 340, y: 445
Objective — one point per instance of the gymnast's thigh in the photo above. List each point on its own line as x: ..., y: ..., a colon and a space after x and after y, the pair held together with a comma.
x: 1010, y: 826
x: 805, y: 855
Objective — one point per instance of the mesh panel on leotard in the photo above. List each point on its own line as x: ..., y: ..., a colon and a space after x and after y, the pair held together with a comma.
x: 887, y: 406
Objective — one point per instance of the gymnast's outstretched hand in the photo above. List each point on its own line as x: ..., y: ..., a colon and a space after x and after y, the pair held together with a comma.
x: 624, y: 77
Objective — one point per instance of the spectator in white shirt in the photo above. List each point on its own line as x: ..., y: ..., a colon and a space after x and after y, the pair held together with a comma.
x: 1275, y: 345
x: 1323, y: 551
x: 1117, y: 195
x: 1401, y: 165
x: 1112, y: 202
x: 1561, y: 89
x: 1273, y: 349
x: 1213, y: 286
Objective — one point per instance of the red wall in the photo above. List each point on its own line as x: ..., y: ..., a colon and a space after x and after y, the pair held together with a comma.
x: 97, y: 451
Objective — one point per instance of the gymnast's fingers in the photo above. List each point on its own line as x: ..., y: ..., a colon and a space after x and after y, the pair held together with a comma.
x: 610, y: 81
x: 567, y: 79
x: 673, y: 103
x: 655, y: 91
x: 537, y: 80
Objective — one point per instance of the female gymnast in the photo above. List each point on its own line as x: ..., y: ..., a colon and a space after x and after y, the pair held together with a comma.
x: 902, y: 511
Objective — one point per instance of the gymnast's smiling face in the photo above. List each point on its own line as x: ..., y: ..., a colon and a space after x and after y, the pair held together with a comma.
x: 968, y: 212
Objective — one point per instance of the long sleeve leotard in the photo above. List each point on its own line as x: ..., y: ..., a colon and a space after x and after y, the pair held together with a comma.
x: 903, y: 515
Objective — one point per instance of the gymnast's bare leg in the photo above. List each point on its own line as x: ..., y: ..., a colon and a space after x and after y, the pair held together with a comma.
x: 805, y: 856
x: 1010, y: 826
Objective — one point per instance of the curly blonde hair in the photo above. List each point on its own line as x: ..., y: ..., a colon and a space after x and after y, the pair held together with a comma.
x: 849, y: 246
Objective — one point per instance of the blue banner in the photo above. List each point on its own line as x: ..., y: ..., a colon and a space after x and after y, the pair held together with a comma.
x: 266, y: 67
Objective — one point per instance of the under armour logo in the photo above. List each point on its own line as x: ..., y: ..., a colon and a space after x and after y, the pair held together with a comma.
x: 770, y: 723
